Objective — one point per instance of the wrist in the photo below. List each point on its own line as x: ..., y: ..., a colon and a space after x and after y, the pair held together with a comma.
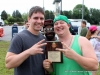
x: 28, y: 52
x: 96, y: 36
x: 76, y: 57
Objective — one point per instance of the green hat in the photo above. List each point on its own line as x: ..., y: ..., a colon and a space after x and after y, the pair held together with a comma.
x: 61, y: 17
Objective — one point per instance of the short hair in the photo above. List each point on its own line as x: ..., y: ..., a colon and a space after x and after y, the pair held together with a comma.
x: 36, y: 9
x: 84, y: 22
x: 25, y: 21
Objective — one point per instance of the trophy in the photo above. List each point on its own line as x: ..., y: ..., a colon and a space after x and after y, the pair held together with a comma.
x: 51, y: 52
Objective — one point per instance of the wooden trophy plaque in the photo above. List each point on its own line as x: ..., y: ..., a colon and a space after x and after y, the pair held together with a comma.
x: 51, y: 53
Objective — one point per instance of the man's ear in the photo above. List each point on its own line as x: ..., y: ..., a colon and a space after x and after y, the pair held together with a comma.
x: 28, y: 19
x: 69, y: 25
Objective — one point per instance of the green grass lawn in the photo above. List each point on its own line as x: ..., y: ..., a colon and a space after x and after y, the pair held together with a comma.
x: 3, y: 50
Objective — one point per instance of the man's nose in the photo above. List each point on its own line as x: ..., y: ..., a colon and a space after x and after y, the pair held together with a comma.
x: 59, y: 24
x: 39, y: 20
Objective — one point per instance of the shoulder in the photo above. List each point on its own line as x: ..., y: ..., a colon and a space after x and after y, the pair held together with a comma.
x: 85, y: 28
x: 16, y: 38
x: 83, y: 41
x: 20, y: 35
x: 23, y: 32
x: 85, y: 44
x: 21, y: 29
x: 42, y: 36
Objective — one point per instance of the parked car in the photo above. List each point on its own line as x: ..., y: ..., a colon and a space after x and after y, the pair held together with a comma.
x: 1, y: 32
x: 72, y: 29
x: 1, y: 22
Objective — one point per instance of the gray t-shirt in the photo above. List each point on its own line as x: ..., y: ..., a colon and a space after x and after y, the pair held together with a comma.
x: 33, y: 65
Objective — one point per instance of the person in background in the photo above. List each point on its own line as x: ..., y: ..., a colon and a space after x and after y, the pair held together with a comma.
x: 49, y: 30
x: 92, y: 35
x: 98, y: 30
x: 76, y: 60
x: 26, y: 25
x: 26, y: 51
x: 83, y: 29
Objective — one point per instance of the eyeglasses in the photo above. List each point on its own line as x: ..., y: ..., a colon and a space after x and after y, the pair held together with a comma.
x: 48, y: 29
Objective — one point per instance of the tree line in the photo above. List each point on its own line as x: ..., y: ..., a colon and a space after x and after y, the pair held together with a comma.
x: 92, y: 15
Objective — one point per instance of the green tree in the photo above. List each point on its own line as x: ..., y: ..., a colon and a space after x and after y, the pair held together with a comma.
x: 8, y: 15
x: 25, y: 16
x: 16, y: 14
x: 77, y: 12
x: 70, y: 14
x: 67, y: 13
x: 47, y: 15
x: 94, y: 15
x: 11, y: 20
x: 6, y: 22
x: 51, y: 15
x: 4, y: 15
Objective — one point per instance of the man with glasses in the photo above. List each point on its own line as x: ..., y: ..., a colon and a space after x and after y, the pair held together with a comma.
x: 49, y: 33
x: 49, y: 30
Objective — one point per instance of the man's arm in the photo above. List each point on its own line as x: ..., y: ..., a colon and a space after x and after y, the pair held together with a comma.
x: 96, y: 36
x: 89, y: 60
x: 14, y: 60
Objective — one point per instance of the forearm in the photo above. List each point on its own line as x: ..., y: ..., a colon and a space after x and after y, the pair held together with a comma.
x: 15, y: 60
x: 98, y: 37
x: 87, y: 63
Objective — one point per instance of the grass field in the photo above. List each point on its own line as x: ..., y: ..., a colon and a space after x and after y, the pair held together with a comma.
x: 3, y: 49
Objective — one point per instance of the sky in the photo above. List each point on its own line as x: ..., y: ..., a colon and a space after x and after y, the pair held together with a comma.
x: 24, y: 5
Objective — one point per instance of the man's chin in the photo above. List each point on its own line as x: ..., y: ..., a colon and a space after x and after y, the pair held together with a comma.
x: 37, y: 29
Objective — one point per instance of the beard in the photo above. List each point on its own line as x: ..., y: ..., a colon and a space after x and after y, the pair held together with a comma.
x: 50, y: 36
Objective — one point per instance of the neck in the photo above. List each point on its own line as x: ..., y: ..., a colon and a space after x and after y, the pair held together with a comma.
x: 65, y: 37
x: 83, y: 26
